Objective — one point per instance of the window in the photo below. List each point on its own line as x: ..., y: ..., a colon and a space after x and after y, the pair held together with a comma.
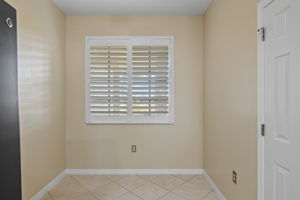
x: 129, y: 80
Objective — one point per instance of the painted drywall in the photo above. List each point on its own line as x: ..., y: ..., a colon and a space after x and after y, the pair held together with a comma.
x: 158, y: 146
x: 41, y: 32
x: 230, y: 96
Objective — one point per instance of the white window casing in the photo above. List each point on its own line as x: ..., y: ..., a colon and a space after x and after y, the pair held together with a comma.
x: 129, y: 80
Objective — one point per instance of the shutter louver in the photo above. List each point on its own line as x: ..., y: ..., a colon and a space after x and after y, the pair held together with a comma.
x: 108, y: 82
x: 150, y: 80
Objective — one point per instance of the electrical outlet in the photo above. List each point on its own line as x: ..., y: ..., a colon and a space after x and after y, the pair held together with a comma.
x: 133, y: 148
x: 234, y: 177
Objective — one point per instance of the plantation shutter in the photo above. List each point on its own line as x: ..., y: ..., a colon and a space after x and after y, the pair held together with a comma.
x: 108, y: 80
x: 150, y: 80
x: 129, y: 80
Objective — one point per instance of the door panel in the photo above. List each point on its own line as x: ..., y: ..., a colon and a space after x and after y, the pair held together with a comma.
x: 10, y: 173
x: 282, y: 100
x: 281, y: 78
x: 282, y: 180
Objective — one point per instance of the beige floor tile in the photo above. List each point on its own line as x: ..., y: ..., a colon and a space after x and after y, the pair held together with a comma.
x: 211, y: 196
x: 67, y: 192
x: 150, y: 191
x: 148, y: 177
x: 131, y: 182
x: 85, y: 196
x: 47, y: 197
x: 129, y: 196
x: 115, y: 177
x: 168, y: 182
x: 191, y: 192
x: 91, y: 182
x: 66, y: 181
x: 200, y: 181
x: 184, y: 177
x: 171, y: 196
x: 144, y: 187
x: 109, y: 191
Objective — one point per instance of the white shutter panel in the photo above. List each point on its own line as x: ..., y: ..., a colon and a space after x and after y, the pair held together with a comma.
x: 108, y: 81
x: 150, y: 80
x: 129, y: 80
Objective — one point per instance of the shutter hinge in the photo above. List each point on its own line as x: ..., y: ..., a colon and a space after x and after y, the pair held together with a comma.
x: 262, y: 32
x: 263, y: 129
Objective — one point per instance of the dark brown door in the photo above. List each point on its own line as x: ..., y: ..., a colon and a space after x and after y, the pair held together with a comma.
x: 10, y: 172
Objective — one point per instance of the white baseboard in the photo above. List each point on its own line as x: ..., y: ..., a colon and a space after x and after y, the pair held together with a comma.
x: 48, y: 187
x: 214, y: 186
x: 131, y: 171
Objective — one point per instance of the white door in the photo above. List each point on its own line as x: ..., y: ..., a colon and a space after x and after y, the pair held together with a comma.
x: 282, y: 100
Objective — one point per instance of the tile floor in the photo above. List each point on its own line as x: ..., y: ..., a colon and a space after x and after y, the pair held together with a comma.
x: 132, y: 187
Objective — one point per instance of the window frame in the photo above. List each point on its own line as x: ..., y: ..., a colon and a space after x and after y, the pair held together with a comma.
x: 149, y: 40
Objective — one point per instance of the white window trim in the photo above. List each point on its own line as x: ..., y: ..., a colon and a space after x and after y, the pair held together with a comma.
x: 131, y: 119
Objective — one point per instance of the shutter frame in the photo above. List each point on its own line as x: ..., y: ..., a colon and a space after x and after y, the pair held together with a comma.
x: 131, y: 118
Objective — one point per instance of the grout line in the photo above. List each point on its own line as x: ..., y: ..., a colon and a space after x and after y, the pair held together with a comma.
x: 127, y: 191
x: 135, y: 187
x: 136, y: 195
x: 168, y: 191
x: 116, y: 182
x: 154, y: 176
x: 205, y: 196
x: 122, y: 195
x: 85, y: 187
x: 50, y: 196
x: 161, y: 186
x: 171, y: 191
x: 184, y: 181
x: 187, y: 181
x: 147, y: 181
x: 107, y: 176
x: 130, y: 191
x: 163, y: 195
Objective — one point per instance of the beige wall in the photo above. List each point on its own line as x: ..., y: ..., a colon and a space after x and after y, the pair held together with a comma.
x: 159, y: 146
x: 230, y: 96
x: 41, y: 28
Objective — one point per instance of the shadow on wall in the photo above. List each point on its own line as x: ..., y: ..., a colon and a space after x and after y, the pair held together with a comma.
x: 34, y: 83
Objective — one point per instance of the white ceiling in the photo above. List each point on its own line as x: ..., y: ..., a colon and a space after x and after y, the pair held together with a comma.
x: 133, y: 7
